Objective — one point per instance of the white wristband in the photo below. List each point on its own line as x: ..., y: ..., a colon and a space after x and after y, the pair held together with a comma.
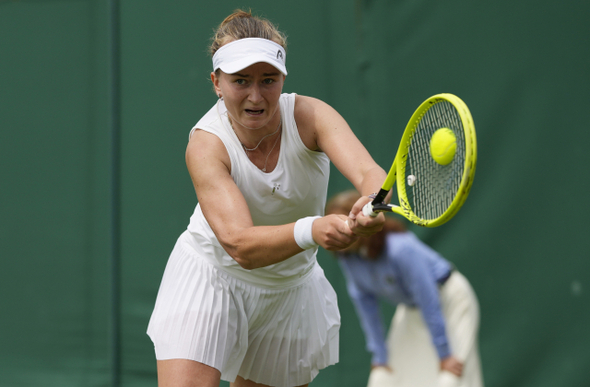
x: 303, y: 234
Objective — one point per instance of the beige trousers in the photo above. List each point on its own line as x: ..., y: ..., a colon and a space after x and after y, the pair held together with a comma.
x: 412, y: 355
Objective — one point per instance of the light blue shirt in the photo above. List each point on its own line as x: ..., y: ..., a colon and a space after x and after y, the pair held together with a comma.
x: 407, y: 272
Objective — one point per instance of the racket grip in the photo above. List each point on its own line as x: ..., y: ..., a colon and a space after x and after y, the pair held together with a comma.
x: 368, y: 210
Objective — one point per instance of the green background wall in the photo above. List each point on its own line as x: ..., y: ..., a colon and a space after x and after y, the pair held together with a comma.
x: 92, y: 198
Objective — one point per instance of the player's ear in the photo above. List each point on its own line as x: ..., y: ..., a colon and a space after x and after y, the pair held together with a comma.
x: 215, y: 81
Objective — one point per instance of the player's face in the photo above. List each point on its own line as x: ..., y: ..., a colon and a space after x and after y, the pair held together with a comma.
x: 251, y: 95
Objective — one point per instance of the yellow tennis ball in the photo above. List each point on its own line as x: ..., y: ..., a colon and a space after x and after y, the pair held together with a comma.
x: 443, y: 145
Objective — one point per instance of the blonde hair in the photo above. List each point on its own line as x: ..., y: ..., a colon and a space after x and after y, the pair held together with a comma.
x: 241, y: 25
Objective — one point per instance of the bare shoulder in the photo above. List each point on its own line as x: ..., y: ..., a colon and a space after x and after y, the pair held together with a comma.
x: 307, y: 109
x: 206, y: 149
x: 312, y: 116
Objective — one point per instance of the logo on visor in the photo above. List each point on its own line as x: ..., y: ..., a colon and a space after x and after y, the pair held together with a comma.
x: 280, y: 55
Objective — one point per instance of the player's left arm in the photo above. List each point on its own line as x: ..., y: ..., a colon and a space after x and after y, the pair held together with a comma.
x: 322, y: 128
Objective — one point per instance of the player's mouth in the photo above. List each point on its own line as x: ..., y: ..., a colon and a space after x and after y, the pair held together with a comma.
x: 254, y: 112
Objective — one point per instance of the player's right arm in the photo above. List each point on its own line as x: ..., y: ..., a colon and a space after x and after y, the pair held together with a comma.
x: 227, y: 213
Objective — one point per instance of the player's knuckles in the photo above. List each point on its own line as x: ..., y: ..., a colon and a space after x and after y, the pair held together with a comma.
x: 334, y: 240
x: 361, y: 230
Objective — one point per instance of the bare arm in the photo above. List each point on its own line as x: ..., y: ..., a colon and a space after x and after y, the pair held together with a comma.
x: 228, y: 215
x: 331, y: 134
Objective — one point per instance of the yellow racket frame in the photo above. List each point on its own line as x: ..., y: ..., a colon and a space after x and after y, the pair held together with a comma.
x: 398, y: 167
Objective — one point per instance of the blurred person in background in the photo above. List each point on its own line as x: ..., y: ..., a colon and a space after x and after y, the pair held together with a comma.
x: 433, y: 337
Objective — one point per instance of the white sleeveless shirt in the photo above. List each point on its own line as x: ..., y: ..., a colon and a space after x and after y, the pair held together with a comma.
x: 296, y: 188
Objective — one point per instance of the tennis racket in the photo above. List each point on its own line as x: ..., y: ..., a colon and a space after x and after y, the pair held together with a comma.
x: 434, y: 166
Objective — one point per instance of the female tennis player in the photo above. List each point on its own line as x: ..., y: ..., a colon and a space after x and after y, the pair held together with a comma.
x: 242, y: 298
x: 433, y: 336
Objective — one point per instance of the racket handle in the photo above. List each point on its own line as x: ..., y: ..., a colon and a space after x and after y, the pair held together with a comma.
x: 368, y: 210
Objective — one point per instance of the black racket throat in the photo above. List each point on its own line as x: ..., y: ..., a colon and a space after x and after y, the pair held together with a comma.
x: 378, y: 203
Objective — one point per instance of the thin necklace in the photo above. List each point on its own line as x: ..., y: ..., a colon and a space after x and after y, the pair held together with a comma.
x: 260, y: 142
x: 271, y: 149
x: 250, y: 150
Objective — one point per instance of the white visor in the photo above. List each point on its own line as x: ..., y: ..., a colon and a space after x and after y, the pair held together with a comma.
x: 239, y: 54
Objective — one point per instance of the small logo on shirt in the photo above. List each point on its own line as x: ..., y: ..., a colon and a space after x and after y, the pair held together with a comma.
x: 275, y: 188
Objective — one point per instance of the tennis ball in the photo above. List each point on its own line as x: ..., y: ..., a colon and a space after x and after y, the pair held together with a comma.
x: 443, y: 145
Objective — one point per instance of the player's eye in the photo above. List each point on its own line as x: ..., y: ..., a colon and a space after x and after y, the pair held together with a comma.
x: 268, y: 81
x: 241, y: 81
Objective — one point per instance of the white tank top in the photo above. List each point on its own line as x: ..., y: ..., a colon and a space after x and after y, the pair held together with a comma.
x: 296, y: 188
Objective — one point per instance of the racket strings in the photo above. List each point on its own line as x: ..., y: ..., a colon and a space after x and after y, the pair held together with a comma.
x: 435, y: 185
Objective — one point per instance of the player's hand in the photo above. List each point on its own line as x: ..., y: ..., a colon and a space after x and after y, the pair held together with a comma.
x: 361, y: 224
x: 332, y: 232
x: 452, y: 365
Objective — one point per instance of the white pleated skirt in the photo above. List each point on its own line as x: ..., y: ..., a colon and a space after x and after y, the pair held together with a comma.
x: 278, y: 337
